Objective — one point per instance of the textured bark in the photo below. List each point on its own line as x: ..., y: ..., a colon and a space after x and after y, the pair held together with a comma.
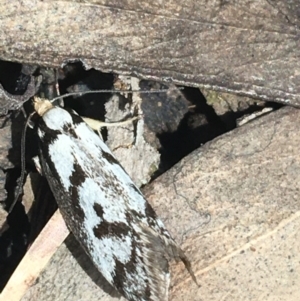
x: 245, y: 47
x: 14, y: 102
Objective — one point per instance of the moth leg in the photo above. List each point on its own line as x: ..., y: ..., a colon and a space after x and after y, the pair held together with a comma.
x: 97, y: 125
x: 37, y: 164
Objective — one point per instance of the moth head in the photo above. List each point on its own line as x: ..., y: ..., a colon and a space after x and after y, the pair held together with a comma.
x: 41, y: 106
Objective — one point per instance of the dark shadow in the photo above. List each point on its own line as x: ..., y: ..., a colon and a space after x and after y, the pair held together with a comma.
x: 13, y: 80
x: 14, y: 233
x: 199, y: 125
x: 16, y: 228
x: 78, y: 80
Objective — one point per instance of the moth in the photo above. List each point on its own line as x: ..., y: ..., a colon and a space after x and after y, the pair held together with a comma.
x: 102, y: 207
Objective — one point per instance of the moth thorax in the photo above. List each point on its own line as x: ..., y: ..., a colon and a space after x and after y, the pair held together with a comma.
x: 41, y: 106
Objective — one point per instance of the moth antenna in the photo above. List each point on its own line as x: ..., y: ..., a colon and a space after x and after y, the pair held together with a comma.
x: 23, y: 163
x: 111, y: 91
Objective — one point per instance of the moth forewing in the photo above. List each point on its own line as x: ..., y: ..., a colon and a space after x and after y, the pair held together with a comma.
x: 103, y: 208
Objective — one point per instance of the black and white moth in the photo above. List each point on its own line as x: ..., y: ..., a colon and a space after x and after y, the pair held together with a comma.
x: 103, y: 208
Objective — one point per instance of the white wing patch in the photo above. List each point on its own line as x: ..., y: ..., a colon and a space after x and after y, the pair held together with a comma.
x: 60, y: 146
x: 91, y: 193
x: 115, y: 249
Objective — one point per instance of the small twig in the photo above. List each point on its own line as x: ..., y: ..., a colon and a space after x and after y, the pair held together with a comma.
x: 36, y: 258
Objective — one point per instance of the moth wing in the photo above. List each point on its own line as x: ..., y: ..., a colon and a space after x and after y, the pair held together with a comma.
x: 106, y: 212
